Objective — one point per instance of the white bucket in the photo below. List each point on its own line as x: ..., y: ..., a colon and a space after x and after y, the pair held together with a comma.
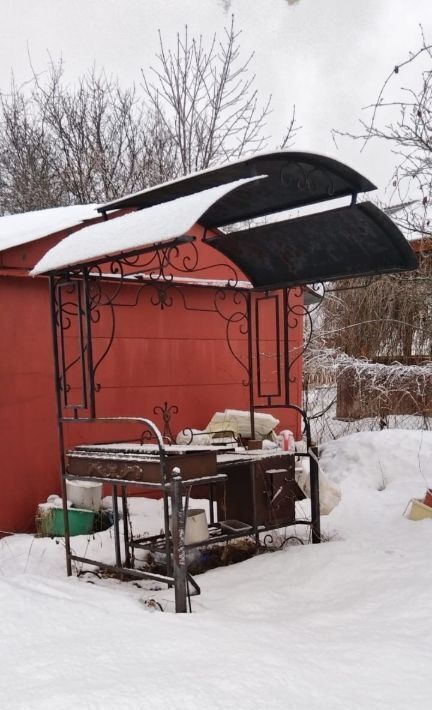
x: 196, y: 529
x: 84, y: 494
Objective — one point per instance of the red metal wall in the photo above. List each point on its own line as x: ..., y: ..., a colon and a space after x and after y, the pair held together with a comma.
x: 175, y: 355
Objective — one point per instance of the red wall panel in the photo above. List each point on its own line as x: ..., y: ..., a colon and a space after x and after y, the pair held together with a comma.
x: 177, y: 355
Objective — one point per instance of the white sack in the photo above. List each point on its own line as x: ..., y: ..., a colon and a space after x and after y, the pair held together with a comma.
x: 330, y: 493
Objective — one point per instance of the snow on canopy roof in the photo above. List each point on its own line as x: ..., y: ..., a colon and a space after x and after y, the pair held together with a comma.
x: 18, y: 229
x: 136, y: 230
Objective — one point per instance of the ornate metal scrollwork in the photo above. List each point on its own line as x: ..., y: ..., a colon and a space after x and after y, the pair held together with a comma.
x: 132, y: 472
x: 273, y: 542
x: 300, y: 311
x: 237, y: 319
x: 166, y: 413
x: 301, y: 176
x: 96, y: 469
x: 161, y: 297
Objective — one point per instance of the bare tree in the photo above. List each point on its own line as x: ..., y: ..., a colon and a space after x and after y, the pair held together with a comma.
x: 391, y: 317
x: 62, y: 145
x: 206, y: 99
x: 402, y: 117
x: 26, y: 179
x: 96, y: 140
x: 387, y: 318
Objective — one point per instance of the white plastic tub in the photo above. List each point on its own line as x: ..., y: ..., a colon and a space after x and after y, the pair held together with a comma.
x: 85, y: 494
x: 196, y: 529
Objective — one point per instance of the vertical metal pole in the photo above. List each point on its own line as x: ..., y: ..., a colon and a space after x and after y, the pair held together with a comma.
x: 64, y: 502
x: 89, y: 344
x: 252, y: 473
x: 250, y: 366
x: 211, y: 504
x: 166, y: 516
x: 81, y: 346
x: 125, y: 526
x: 179, y: 554
x: 314, y: 493
x: 116, y: 525
x: 59, y: 324
x: 286, y: 346
x: 60, y: 432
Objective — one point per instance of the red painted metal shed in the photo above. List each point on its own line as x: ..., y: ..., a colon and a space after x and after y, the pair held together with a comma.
x: 189, y: 359
x: 209, y: 379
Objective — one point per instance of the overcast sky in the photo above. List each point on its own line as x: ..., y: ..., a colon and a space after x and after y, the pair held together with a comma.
x: 329, y: 57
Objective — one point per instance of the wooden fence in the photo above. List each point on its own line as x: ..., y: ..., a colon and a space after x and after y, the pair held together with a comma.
x: 382, y: 391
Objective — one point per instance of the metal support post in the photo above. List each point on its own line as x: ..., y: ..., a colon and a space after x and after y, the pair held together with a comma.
x: 252, y: 474
x: 125, y: 509
x: 116, y: 525
x: 314, y: 493
x: 177, y: 532
x: 58, y: 385
x: 66, y: 523
x: 169, y: 567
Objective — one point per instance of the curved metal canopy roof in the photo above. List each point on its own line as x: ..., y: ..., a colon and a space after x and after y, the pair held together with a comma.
x: 359, y: 240
x: 350, y: 241
x: 294, y: 179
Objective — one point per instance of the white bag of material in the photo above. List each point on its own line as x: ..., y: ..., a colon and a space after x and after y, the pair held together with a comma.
x: 238, y: 421
x: 330, y: 493
x: 193, y: 437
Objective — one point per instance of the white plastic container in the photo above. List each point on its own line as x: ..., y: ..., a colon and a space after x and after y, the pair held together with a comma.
x: 196, y: 529
x: 85, y: 494
x: 196, y: 526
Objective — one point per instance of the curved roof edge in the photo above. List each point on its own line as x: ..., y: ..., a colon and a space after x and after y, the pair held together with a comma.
x: 303, y: 178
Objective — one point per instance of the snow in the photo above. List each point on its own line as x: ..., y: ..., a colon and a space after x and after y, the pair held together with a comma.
x: 136, y: 230
x: 27, y: 227
x: 341, y: 625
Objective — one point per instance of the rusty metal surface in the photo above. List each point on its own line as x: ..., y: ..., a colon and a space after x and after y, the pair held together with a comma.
x: 260, y: 491
x: 138, y: 466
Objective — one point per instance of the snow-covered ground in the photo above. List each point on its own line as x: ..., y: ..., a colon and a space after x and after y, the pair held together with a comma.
x: 337, y: 626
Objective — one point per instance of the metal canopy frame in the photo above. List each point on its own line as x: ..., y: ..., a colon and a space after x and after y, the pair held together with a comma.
x: 83, y: 296
x: 80, y: 293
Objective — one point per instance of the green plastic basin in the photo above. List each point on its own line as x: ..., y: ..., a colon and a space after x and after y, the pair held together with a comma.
x: 51, y: 522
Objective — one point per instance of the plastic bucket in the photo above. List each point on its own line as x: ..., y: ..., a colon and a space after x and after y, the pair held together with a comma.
x: 84, y: 494
x: 50, y: 521
x: 196, y: 529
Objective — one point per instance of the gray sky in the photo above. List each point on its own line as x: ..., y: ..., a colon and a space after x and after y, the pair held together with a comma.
x: 329, y: 57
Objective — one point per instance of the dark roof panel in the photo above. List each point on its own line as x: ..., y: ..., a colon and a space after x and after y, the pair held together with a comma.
x: 294, y: 179
x: 351, y: 241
